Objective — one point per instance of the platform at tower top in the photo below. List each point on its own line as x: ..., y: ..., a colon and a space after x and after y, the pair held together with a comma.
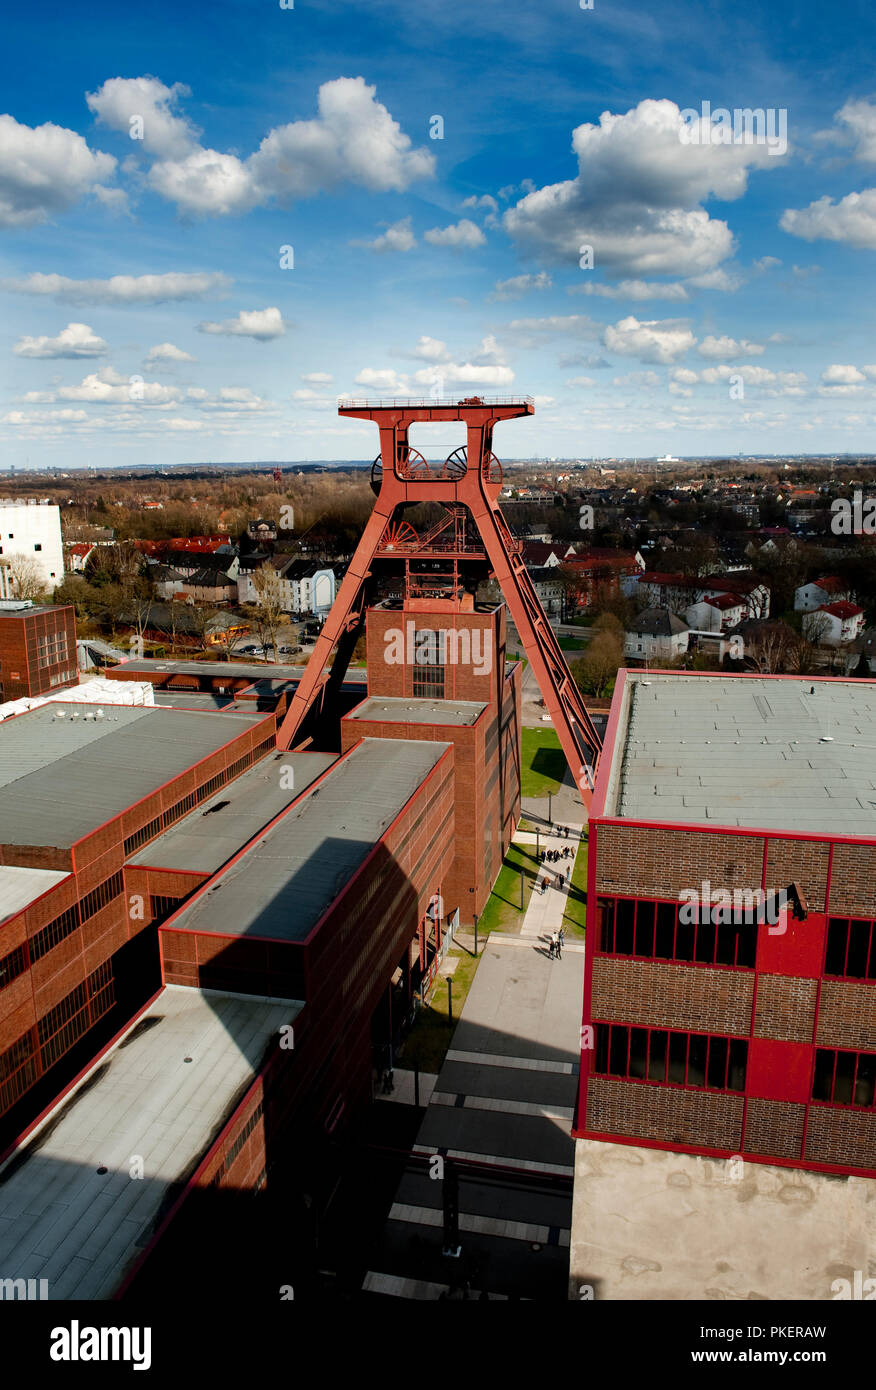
x: 438, y: 408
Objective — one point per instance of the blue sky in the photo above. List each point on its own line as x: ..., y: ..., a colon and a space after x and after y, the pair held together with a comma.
x: 155, y: 162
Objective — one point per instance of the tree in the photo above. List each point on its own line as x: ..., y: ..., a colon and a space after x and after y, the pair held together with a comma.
x: 271, y: 595
x: 24, y: 578
x: 769, y: 648
x: 600, y: 663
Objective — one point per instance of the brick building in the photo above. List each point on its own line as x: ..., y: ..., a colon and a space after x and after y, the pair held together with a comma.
x: 705, y: 1031
x: 437, y: 670
x: 83, y: 788
x: 37, y: 649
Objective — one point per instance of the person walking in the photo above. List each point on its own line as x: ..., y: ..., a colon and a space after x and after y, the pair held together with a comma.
x: 551, y: 948
x: 559, y: 945
x: 555, y: 947
x: 561, y: 937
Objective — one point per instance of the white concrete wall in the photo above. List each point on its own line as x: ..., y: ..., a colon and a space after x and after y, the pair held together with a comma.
x: 23, y: 527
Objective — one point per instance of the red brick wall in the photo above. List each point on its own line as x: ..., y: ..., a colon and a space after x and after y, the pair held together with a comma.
x: 462, y: 679
x: 785, y: 1006
x: 20, y: 670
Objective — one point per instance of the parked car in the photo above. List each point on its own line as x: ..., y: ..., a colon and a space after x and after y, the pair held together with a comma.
x: 288, y: 651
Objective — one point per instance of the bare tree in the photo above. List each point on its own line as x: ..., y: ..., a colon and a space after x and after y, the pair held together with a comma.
x: 270, y: 591
x: 768, y: 649
x: 24, y: 577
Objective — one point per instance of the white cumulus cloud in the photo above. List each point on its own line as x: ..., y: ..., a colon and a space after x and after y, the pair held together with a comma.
x: 173, y: 286
x: 123, y: 100
x: 636, y: 199
x: 458, y: 235
x: 261, y: 324
x: 76, y: 340
x: 167, y: 352
x: 44, y: 170
x: 352, y: 139
x: 652, y: 341
x: 725, y: 347
x: 397, y: 237
x: 851, y: 221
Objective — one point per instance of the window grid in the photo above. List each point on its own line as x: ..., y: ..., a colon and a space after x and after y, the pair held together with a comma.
x: 49, y: 936
x: 162, y: 906
x: 12, y: 965
x: 666, y: 1057
x: 844, y: 1078
x: 101, y: 895
x: 648, y: 929
x: 850, y: 949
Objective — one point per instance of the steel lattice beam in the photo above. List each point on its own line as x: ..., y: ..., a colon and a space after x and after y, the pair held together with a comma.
x: 476, y: 488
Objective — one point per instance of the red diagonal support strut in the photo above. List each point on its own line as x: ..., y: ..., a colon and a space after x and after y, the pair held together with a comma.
x: 474, y: 483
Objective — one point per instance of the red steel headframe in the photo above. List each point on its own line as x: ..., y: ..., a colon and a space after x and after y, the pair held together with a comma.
x: 406, y: 478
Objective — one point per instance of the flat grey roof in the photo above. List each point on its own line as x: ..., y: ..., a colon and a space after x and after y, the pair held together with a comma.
x: 63, y: 1221
x: 284, y: 883
x: 208, y: 837
x: 390, y: 710
x: 21, y: 887
x: 192, y: 699
x: 747, y: 751
x: 249, y: 670
x: 61, y: 777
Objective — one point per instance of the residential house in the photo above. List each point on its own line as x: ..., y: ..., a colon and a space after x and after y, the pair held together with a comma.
x: 717, y: 613
x: 656, y: 634
x: 828, y: 589
x: 834, y: 624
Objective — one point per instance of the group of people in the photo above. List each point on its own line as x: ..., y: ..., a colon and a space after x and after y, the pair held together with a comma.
x: 555, y: 945
x: 550, y: 856
x: 559, y: 882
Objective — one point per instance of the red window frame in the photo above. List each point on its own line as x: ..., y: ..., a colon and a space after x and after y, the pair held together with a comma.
x: 724, y: 1039
x: 699, y: 931
x: 835, y: 1053
x: 869, y: 975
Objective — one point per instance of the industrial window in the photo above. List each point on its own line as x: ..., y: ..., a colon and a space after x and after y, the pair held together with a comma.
x: 240, y: 766
x: 18, y: 1070
x: 163, y: 906
x: 57, y: 930
x: 12, y: 965
x: 429, y: 675
x: 63, y: 1025
x: 101, y: 895
x: 844, y: 1078
x: 146, y: 832
x: 650, y: 930
x: 180, y: 808
x: 851, y: 949
x: 670, y: 1058
x: 52, y: 649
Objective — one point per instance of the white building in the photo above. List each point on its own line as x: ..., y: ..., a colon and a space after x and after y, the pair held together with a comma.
x: 834, y: 624
x: 829, y: 589
x: 721, y: 613
x: 656, y: 634
x: 32, y: 531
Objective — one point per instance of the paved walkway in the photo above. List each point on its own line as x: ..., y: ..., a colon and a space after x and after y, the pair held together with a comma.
x: 544, y: 914
x: 504, y: 1098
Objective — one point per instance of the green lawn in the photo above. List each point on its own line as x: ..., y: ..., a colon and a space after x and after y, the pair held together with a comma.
x: 430, y: 1037
x: 542, y: 762
x: 502, y: 911
x: 575, y: 915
